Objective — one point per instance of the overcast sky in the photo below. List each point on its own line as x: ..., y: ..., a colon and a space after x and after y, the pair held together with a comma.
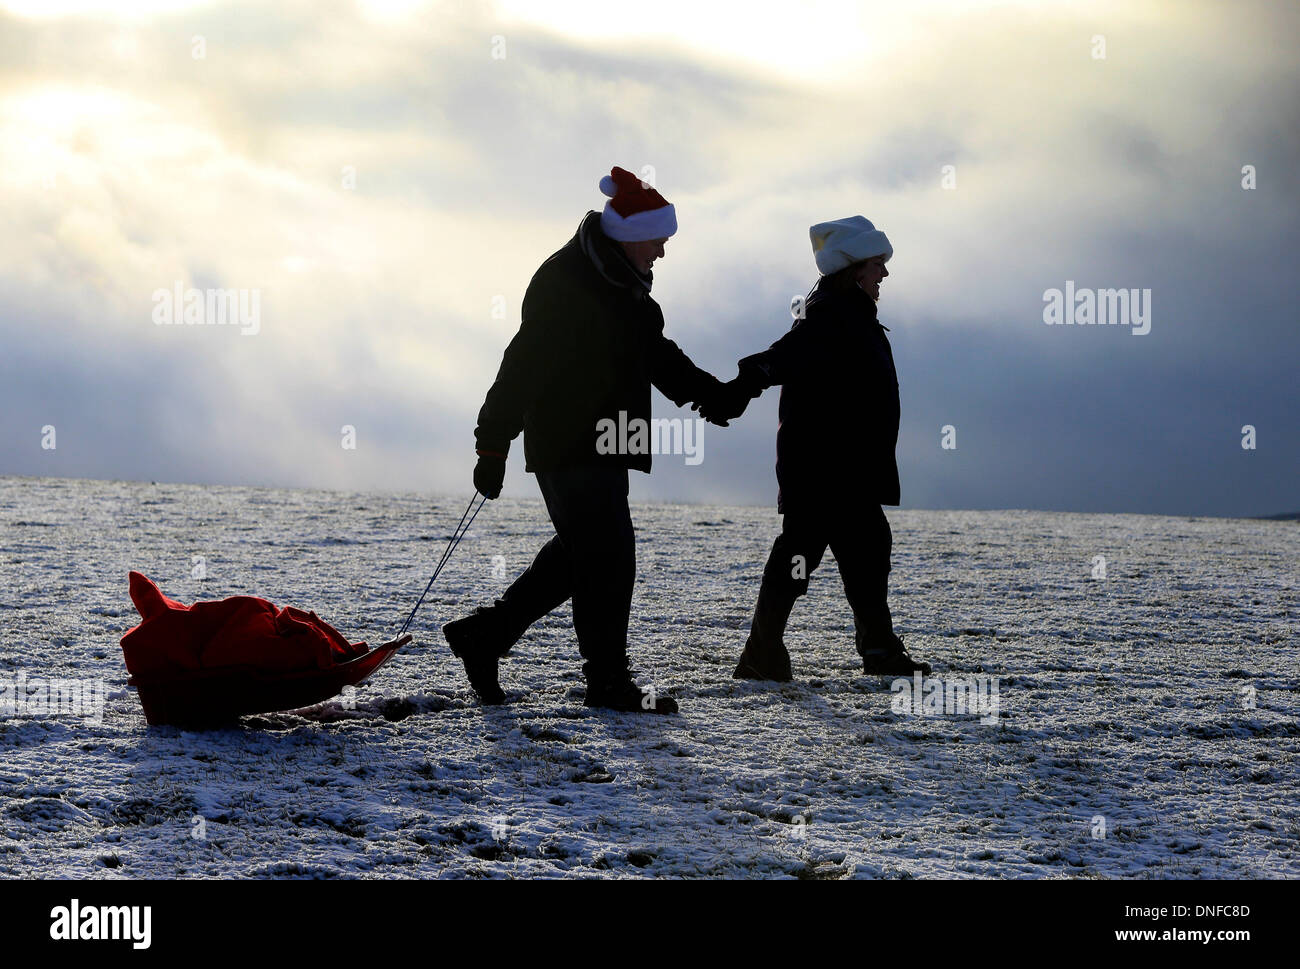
x: 382, y: 175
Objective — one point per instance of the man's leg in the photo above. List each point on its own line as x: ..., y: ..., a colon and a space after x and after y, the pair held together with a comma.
x: 797, y: 551
x: 592, y: 519
x: 593, y: 524
x: 543, y: 587
x: 483, y: 637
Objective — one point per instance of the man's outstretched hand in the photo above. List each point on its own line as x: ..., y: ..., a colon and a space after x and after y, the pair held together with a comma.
x: 489, y: 475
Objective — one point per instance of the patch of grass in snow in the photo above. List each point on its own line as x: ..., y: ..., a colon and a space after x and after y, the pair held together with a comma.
x: 165, y: 805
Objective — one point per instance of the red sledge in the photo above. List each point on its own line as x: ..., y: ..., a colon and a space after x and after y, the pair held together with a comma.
x: 212, y: 662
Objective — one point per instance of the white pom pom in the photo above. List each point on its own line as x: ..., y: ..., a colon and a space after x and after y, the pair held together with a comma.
x: 608, y: 187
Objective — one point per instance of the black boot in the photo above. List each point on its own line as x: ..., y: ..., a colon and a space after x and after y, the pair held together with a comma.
x: 621, y: 693
x: 884, y: 655
x: 765, y: 656
x: 480, y: 640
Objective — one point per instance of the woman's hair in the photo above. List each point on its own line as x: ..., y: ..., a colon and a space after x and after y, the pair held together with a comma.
x: 840, y: 281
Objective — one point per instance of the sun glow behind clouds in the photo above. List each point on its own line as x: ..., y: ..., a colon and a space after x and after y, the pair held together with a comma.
x: 103, y: 9
x: 60, y: 131
x: 815, y: 39
x: 391, y: 10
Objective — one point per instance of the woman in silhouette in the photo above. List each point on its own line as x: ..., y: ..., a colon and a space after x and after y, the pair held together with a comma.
x: 835, y: 465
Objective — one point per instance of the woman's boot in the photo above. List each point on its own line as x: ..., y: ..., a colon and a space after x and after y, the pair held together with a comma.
x: 883, y: 654
x: 765, y: 656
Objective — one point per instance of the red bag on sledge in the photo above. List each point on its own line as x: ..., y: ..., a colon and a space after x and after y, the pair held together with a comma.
x: 214, y: 661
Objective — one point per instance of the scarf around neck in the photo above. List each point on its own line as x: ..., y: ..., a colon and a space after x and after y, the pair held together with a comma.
x: 609, y: 259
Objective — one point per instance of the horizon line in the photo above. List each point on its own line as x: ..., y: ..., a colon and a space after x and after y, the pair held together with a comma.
x: 1278, y: 516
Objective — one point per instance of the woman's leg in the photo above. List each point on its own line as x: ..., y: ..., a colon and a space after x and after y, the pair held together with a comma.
x: 862, y: 548
x: 862, y: 545
x: 797, y: 551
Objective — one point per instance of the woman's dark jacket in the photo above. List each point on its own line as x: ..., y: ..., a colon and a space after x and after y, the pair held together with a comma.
x: 839, y: 409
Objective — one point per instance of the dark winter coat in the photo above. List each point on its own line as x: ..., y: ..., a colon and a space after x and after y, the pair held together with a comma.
x: 839, y: 409
x: 590, y: 344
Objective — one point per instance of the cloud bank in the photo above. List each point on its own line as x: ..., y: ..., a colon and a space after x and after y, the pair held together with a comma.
x: 388, y: 177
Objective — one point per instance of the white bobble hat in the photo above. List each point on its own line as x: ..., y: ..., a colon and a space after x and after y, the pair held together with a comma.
x: 845, y: 241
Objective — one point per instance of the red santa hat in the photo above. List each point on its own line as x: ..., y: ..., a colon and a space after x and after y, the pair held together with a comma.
x: 635, y: 212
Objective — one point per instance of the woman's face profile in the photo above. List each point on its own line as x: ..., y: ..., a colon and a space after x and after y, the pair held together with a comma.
x: 869, y: 274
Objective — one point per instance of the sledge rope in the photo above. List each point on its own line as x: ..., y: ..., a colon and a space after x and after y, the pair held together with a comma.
x: 456, y: 536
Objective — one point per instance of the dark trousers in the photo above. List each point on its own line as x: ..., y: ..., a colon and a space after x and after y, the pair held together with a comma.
x: 861, y: 541
x: 591, y: 560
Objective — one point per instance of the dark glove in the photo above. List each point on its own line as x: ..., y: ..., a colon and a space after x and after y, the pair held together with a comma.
x: 708, y: 397
x: 726, y: 403
x: 489, y: 474
x: 710, y: 407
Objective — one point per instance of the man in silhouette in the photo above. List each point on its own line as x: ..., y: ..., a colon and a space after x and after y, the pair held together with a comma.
x: 589, y: 347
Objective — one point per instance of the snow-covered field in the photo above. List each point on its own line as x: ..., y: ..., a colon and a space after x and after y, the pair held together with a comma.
x: 1147, y: 724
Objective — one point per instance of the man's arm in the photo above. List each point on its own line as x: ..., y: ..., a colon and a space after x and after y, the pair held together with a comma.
x: 524, y: 368
x: 794, y: 355
x: 677, y: 378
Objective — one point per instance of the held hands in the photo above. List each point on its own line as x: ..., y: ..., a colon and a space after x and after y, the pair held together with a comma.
x: 489, y: 475
x: 727, y: 402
